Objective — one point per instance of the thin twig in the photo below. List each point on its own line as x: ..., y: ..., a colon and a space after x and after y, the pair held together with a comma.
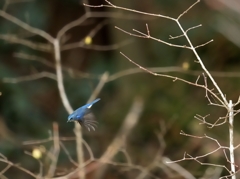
x: 56, y: 150
x: 11, y: 38
x: 143, y: 35
x: 32, y: 77
x: 204, y: 44
x: 130, y: 10
x: 177, y: 168
x: 99, y: 87
x: 83, y: 45
x: 175, y: 79
x: 188, y: 9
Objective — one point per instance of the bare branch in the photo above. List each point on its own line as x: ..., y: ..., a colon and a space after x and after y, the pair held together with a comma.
x: 68, y: 154
x: 11, y: 38
x: 87, y: 9
x: 59, y: 74
x: 194, y: 27
x: 130, y: 10
x: 175, y: 78
x: 39, y: 161
x: 26, y: 26
x: 32, y: 77
x: 191, y: 28
x: 204, y: 44
x: 18, y: 167
x: 128, y: 124
x: 188, y: 9
x: 177, y: 168
x: 83, y: 45
x: 5, y: 169
x: 203, y: 66
x: 206, y: 95
x: 143, y: 35
x: 231, y: 137
x: 88, y: 149
x: 56, y: 150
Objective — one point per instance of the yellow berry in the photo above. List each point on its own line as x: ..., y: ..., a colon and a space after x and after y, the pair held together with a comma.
x: 36, y: 153
x: 88, y: 40
x: 185, y: 65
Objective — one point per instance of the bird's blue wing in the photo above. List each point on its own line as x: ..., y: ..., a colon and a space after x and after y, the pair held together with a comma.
x: 84, y: 116
x: 89, y: 121
x: 89, y: 105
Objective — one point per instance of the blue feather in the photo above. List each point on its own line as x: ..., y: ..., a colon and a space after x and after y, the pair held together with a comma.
x: 84, y: 116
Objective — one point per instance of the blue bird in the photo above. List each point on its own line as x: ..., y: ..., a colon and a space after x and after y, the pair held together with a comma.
x: 84, y: 116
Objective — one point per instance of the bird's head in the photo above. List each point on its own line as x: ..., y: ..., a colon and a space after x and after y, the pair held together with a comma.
x: 70, y: 118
